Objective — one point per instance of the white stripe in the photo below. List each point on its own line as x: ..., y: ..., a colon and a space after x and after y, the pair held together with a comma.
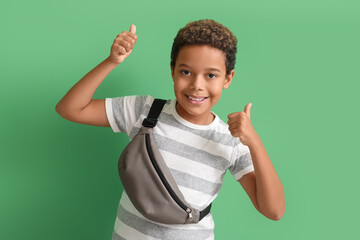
x: 211, y: 237
x: 197, y: 198
x: 243, y: 149
x: 192, y: 167
x: 222, y: 129
x: 128, y: 232
x: 110, y: 115
x: 244, y: 171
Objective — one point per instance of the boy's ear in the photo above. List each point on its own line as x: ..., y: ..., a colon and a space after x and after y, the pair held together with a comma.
x: 228, y: 79
x: 172, y: 71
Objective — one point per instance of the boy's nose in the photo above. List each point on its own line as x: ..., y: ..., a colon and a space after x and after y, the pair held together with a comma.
x: 197, y: 83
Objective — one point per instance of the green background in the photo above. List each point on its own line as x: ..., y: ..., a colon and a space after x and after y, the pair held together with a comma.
x: 297, y: 62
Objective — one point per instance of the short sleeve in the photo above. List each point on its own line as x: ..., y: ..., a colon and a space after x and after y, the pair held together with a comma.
x: 124, y: 112
x: 241, y: 163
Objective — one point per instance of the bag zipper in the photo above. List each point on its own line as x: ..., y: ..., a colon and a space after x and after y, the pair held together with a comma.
x: 163, y: 179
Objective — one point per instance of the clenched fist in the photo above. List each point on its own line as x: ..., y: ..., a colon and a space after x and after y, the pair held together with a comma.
x: 240, y: 126
x: 123, y: 45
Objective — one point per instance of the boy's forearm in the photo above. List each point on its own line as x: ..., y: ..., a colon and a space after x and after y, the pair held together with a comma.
x: 82, y: 92
x: 269, y: 190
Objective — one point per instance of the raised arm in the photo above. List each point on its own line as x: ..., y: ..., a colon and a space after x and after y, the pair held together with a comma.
x: 77, y: 105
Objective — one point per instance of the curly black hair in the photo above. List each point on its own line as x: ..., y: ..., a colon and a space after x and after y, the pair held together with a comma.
x: 207, y: 32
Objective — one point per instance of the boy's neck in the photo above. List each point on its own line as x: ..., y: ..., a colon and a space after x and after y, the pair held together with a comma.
x: 200, y: 120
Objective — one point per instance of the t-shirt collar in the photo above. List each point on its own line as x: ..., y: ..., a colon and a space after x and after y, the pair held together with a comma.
x: 189, y: 124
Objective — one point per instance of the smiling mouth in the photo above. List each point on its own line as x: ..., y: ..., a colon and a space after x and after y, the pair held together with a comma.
x: 198, y: 99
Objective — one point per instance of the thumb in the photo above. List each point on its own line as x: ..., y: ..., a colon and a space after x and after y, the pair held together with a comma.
x: 133, y: 28
x: 247, y: 109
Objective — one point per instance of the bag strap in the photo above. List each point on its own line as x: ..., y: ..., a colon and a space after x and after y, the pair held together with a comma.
x: 154, y: 113
x: 205, y: 212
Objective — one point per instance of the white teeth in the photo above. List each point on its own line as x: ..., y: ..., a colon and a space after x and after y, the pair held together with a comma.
x: 196, y: 99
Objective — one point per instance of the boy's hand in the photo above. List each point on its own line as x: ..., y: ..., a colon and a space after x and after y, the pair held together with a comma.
x: 240, y: 126
x: 123, y: 45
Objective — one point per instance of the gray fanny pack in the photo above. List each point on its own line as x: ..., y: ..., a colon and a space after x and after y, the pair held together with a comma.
x: 148, y: 181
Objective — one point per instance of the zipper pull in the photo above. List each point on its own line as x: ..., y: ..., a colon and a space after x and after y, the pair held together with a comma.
x: 188, y: 210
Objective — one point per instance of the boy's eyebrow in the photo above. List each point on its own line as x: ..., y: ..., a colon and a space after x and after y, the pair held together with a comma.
x: 214, y: 69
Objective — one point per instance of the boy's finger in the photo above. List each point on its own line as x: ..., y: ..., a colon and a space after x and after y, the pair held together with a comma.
x: 131, y: 33
x: 126, y: 33
x: 133, y: 28
x: 128, y: 38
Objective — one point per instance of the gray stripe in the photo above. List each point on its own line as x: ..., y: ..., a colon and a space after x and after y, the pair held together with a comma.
x: 139, y: 105
x: 117, y: 107
x: 242, y: 162
x: 159, y: 231
x: 189, y: 152
x: 196, y: 183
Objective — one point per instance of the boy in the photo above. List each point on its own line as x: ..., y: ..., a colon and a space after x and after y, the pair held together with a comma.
x: 197, y: 146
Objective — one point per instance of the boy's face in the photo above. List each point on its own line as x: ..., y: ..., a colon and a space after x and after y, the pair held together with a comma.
x: 193, y: 78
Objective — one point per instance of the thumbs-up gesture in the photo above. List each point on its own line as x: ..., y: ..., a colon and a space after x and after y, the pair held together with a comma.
x: 123, y: 45
x: 240, y: 126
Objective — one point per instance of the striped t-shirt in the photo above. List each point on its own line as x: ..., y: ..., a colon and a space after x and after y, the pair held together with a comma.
x: 197, y: 156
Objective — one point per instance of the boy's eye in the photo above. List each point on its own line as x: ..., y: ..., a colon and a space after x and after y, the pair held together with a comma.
x: 212, y: 75
x: 185, y: 72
